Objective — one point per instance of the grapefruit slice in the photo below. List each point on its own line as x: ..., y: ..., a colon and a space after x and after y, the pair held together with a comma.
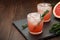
x: 56, y: 10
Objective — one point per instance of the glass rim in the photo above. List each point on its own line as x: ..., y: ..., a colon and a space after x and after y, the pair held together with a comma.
x: 33, y: 13
x: 39, y: 4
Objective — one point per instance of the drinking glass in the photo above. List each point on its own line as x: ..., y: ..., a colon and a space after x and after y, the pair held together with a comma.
x: 35, y: 24
x: 42, y: 8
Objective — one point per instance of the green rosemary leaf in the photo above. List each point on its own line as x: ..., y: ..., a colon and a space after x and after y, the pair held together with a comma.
x: 45, y: 13
x: 53, y: 4
x: 57, y: 32
x: 55, y: 28
x: 24, y: 26
x: 56, y: 25
x: 42, y: 18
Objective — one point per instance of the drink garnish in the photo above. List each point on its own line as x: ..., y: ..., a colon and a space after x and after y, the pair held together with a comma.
x: 55, y: 28
x: 45, y: 13
x: 24, y: 26
x: 42, y: 17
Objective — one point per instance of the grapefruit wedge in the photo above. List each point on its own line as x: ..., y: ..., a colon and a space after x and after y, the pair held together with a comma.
x: 56, y: 10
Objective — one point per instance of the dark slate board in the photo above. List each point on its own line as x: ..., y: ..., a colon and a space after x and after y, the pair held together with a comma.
x: 18, y: 24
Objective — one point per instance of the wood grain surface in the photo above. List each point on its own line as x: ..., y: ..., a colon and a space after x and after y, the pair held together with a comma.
x: 11, y: 10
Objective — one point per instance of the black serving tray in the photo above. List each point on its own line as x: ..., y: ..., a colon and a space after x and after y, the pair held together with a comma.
x: 45, y: 35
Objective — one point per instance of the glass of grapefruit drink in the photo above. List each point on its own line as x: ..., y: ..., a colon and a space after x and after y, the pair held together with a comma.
x: 47, y: 8
x: 35, y: 24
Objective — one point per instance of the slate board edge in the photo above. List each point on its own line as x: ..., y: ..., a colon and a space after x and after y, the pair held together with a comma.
x: 19, y: 30
x: 49, y: 37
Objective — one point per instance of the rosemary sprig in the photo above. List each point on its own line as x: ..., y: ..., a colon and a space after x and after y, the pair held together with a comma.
x: 45, y: 13
x: 42, y: 18
x: 24, y: 26
x: 53, y: 4
x: 55, y: 29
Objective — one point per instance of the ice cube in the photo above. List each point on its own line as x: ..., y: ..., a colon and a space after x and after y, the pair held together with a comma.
x: 34, y: 18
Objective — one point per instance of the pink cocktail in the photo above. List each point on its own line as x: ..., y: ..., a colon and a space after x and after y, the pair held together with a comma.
x: 35, y: 24
x: 42, y: 7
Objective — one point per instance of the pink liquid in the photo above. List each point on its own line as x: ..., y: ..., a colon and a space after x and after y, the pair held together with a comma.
x: 47, y: 16
x: 38, y: 28
x: 42, y: 7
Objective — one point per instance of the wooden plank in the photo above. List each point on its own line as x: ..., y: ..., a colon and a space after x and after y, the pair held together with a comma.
x: 5, y: 25
x: 6, y: 16
x: 14, y: 34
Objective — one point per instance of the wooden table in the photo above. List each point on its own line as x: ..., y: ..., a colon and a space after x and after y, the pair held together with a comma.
x: 12, y: 10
